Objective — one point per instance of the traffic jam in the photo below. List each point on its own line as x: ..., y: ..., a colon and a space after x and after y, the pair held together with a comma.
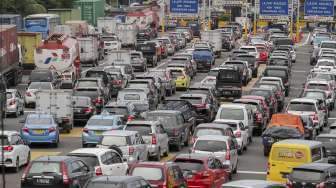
x: 123, y: 104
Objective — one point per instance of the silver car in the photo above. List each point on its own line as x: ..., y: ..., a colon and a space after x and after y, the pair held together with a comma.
x: 253, y: 184
x: 15, y: 103
x: 129, y: 143
x: 153, y: 134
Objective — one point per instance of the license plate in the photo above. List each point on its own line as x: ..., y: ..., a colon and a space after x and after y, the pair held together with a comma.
x: 39, y: 131
x: 43, y: 181
x: 98, y: 132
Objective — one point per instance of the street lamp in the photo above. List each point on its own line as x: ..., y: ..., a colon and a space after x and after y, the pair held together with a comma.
x: 292, y: 19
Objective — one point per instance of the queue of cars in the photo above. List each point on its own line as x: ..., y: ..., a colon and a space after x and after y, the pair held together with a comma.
x: 129, y: 120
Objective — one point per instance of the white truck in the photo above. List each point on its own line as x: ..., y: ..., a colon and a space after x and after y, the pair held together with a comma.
x: 57, y: 103
x: 127, y: 33
x: 118, y: 57
x: 63, y: 29
x: 214, y: 37
x: 88, y: 48
x: 107, y: 25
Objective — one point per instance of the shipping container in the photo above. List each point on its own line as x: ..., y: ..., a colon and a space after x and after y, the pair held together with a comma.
x: 28, y: 42
x: 9, y: 55
x: 78, y: 27
x: 91, y: 10
x: 12, y: 19
x: 66, y: 14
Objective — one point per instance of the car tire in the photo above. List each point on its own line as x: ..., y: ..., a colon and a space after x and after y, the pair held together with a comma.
x: 22, y: 111
x: 84, y: 145
x: 169, y: 93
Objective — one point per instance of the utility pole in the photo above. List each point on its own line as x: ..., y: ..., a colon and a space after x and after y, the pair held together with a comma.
x: 163, y: 17
x: 291, y: 22
x: 209, y: 16
x: 298, y: 21
x: 204, y: 15
x: 255, y: 18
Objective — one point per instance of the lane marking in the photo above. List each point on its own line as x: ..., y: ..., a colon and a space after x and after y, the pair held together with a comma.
x: 37, y: 154
x: 76, y: 132
x: 168, y: 158
x: 251, y: 172
x: 29, y: 111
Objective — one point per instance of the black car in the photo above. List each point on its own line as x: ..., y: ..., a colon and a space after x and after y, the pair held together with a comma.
x: 56, y: 172
x: 252, y: 62
x: 313, y: 175
x: 329, y: 141
x: 177, y: 128
x: 83, y: 108
x: 208, y: 90
x: 269, y: 94
x: 229, y: 82
x: 276, y: 133
x: 282, y: 72
x: 117, y: 182
x: 242, y: 67
x: 149, y: 52
x: 96, y: 95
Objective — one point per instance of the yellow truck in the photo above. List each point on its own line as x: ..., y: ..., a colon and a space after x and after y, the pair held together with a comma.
x: 28, y: 41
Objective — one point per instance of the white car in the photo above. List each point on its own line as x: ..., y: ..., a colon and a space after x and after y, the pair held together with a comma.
x: 310, y: 107
x: 15, y: 103
x: 240, y: 112
x: 30, y: 97
x: 222, y: 147
x: 107, y: 162
x: 16, y: 152
x: 325, y: 86
x: 273, y: 79
x: 239, y: 131
x: 252, y: 50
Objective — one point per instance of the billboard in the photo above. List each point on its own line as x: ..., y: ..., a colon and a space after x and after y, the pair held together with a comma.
x: 273, y: 9
x: 319, y: 9
x: 184, y: 6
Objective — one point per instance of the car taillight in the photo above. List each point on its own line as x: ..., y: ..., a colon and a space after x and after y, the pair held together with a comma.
x: 65, y: 175
x: 29, y: 94
x: 314, y: 117
x: 237, y: 134
x: 99, y: 101
x: 227, y: 155
x: 203, y: 105
x: 65, y: 120
x: 25, y: 129
x: 153, y: 139
x: 258, y: 116
x: 12, y: 102
x: 130, y: 150
x: 8, y: 148
x: 130, y: 118
x: 116, y: 82
x: 98, y: 171
x: 321, y: 185
x: 88, y: 110
x: 85, y: 130
x: 51, y: 129
x: 25, y: 172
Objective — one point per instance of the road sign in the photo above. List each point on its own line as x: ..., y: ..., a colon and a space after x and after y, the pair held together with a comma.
x: 184, y: 6
x: 273, y: 8
x: 319, y: 9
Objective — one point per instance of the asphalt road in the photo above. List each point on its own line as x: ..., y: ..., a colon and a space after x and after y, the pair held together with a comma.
x: 252, y: 164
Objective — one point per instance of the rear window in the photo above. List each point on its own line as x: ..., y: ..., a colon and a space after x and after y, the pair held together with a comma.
x: 149, y: 173
x: 193, y: 100
x: 114, y: 140
x: 318, y: 95
x: 176, y: 73
x: 131, y: 97
x: 189, y: 165
x: 94, y: 74
x: 116, y: 110
x: 91, y: 161
x: 39, y: 121
x: 142, y: 129
x: 9, y: 95
x: 40, y: 85
x: 275, y: 73
x: 45, y: 167
x: 102, y: 184
x: 248, y: 49
x: 210, y: 145
x: 307, y: 175
x: 167, y: 119
x: 231, y: 113
x: 82, y: 102
x: 318, y: 86
x: 208, y: 131
x: 87, y: 84
x: 289, y: 154
x: 100, y: 122
x: 301, y: 106
x: 40, y: 76
x: 229, y: 75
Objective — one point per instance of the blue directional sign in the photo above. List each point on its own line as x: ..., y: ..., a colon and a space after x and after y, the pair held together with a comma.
x: 184, y: 6
x: 319, y: 8
x: 273, y: 7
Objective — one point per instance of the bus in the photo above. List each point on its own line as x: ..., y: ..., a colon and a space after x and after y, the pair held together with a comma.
x: 41, y: 23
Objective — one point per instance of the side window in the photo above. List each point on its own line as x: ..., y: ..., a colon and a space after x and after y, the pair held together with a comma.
x: 15, y: 139
x: 82, y: 166
x: 160, y: 128
x: 241, y: 125
x: 177, y: 173
x: 218, y: 164
x: 108, y: 159
x: 211, y: 164
x: 20, y: 140
x: 316, y: 154
x: 75, y: 168
x: 116, y: 158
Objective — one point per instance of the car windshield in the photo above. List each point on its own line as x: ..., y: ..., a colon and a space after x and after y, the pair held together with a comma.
x: 307, y: 175
x: 248, y: 49
x: 84, y: 84
x: 38, y: 167
x: 149, y: 173
x: 176, y: 73
x: 131, y: 96
x: 302, y: 106
x: 325, y: 63
x: 275, y: 73
x: 5, y: 139
x: 318, y: 86
x: 322, y: 76
x: 82, y: 102
x: 100, y: 122
x: 210, y: 145
x: 208, y: 131
x: 39, y: 121
x: 232, y: 113
x: 40, y: 76
x: 103, y: 184
x: 116, y: 110
x: 316, y: 95
x: 328, y: 45
x: 40, y: 85
x: 114, y: 140
x: 193, y: 100
x: 278, y: 61
x: 167, y: 119
x: 189, y: 164
x: 142, y: 129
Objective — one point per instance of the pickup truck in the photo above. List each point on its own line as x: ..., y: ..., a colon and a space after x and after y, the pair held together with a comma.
x: 229, y: 82
x: 204, y: 58
x: 178, y: 130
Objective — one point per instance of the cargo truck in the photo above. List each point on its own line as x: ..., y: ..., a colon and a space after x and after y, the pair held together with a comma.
x: 28, y: 42
x: 11, y: 19
x: 119, y: 57
x: 57, y: 103
x: 60, y: 53
x: 9, y: 55
x: 66, y: 14
x: 88, y: 47
x: 107, y: 25
x: 214, y: 37
x: 78, y: 27
x: 127, y: 33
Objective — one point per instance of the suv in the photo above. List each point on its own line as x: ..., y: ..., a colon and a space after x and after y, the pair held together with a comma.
x: 56, y: 171
x: 153, y: 134
x: 229, y: 82
x: 281, y: 72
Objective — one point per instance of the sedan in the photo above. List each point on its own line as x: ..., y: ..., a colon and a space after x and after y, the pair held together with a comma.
x: 40, y: 128
x: 15, y: 102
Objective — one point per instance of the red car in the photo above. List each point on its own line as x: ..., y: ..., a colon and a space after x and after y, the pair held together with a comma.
x: 161, y: 175
x: 263, y: 53
x: 202, y: 171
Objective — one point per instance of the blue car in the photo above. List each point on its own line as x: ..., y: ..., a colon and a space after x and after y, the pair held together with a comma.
x: 40, y: 128
x: 97, y: 124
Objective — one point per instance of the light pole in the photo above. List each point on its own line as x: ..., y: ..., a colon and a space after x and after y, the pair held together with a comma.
x: 298, y: 21
x: 204, y: 15
x: 163, y: 17
x: 291, y: 22
x: 209, y: 16
x: 255, y: 18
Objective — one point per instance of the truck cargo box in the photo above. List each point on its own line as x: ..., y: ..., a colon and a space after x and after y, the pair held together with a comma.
x: 29, y: 41
x: 78, y: 27
x: 66, y: 14
x: 12, y: 19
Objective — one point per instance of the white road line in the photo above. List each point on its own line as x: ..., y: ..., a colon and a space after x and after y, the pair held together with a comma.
x: 307, y: 40
x: 29, y: 111
x: 163, y: 63
x: 299, y: 71
x: 251, y: 172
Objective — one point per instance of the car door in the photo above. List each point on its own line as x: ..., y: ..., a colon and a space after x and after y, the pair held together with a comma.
x: 18, y: 149
x: 244, y: 132
x: 220, y: 173
x: 112, y: 164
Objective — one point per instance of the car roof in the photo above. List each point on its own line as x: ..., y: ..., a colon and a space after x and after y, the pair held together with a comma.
x: 303, y: 100
x: 119, y: 133
x: 39, y: 115
x: 227, y: 121
x: 277, y: 67
x: 104, y: 116
x: 166, y: 111
x: 8, y: 132
x: 233, y: 105
x: 316, y: 166
x: 192, y: 156
x: 318, y: 82
x: 92, y: 151
x: 213, y: 137
x: 250, y: 183
x: 310, y: 143
x: 133, y: 122
x: 193, y: 95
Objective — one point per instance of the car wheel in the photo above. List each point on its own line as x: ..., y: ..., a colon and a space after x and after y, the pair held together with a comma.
x: 84, y: 145
x: 17, y: 165
x: 22, y: 111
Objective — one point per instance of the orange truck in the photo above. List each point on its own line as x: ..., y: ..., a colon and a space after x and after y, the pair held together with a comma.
x: 288, y: 120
